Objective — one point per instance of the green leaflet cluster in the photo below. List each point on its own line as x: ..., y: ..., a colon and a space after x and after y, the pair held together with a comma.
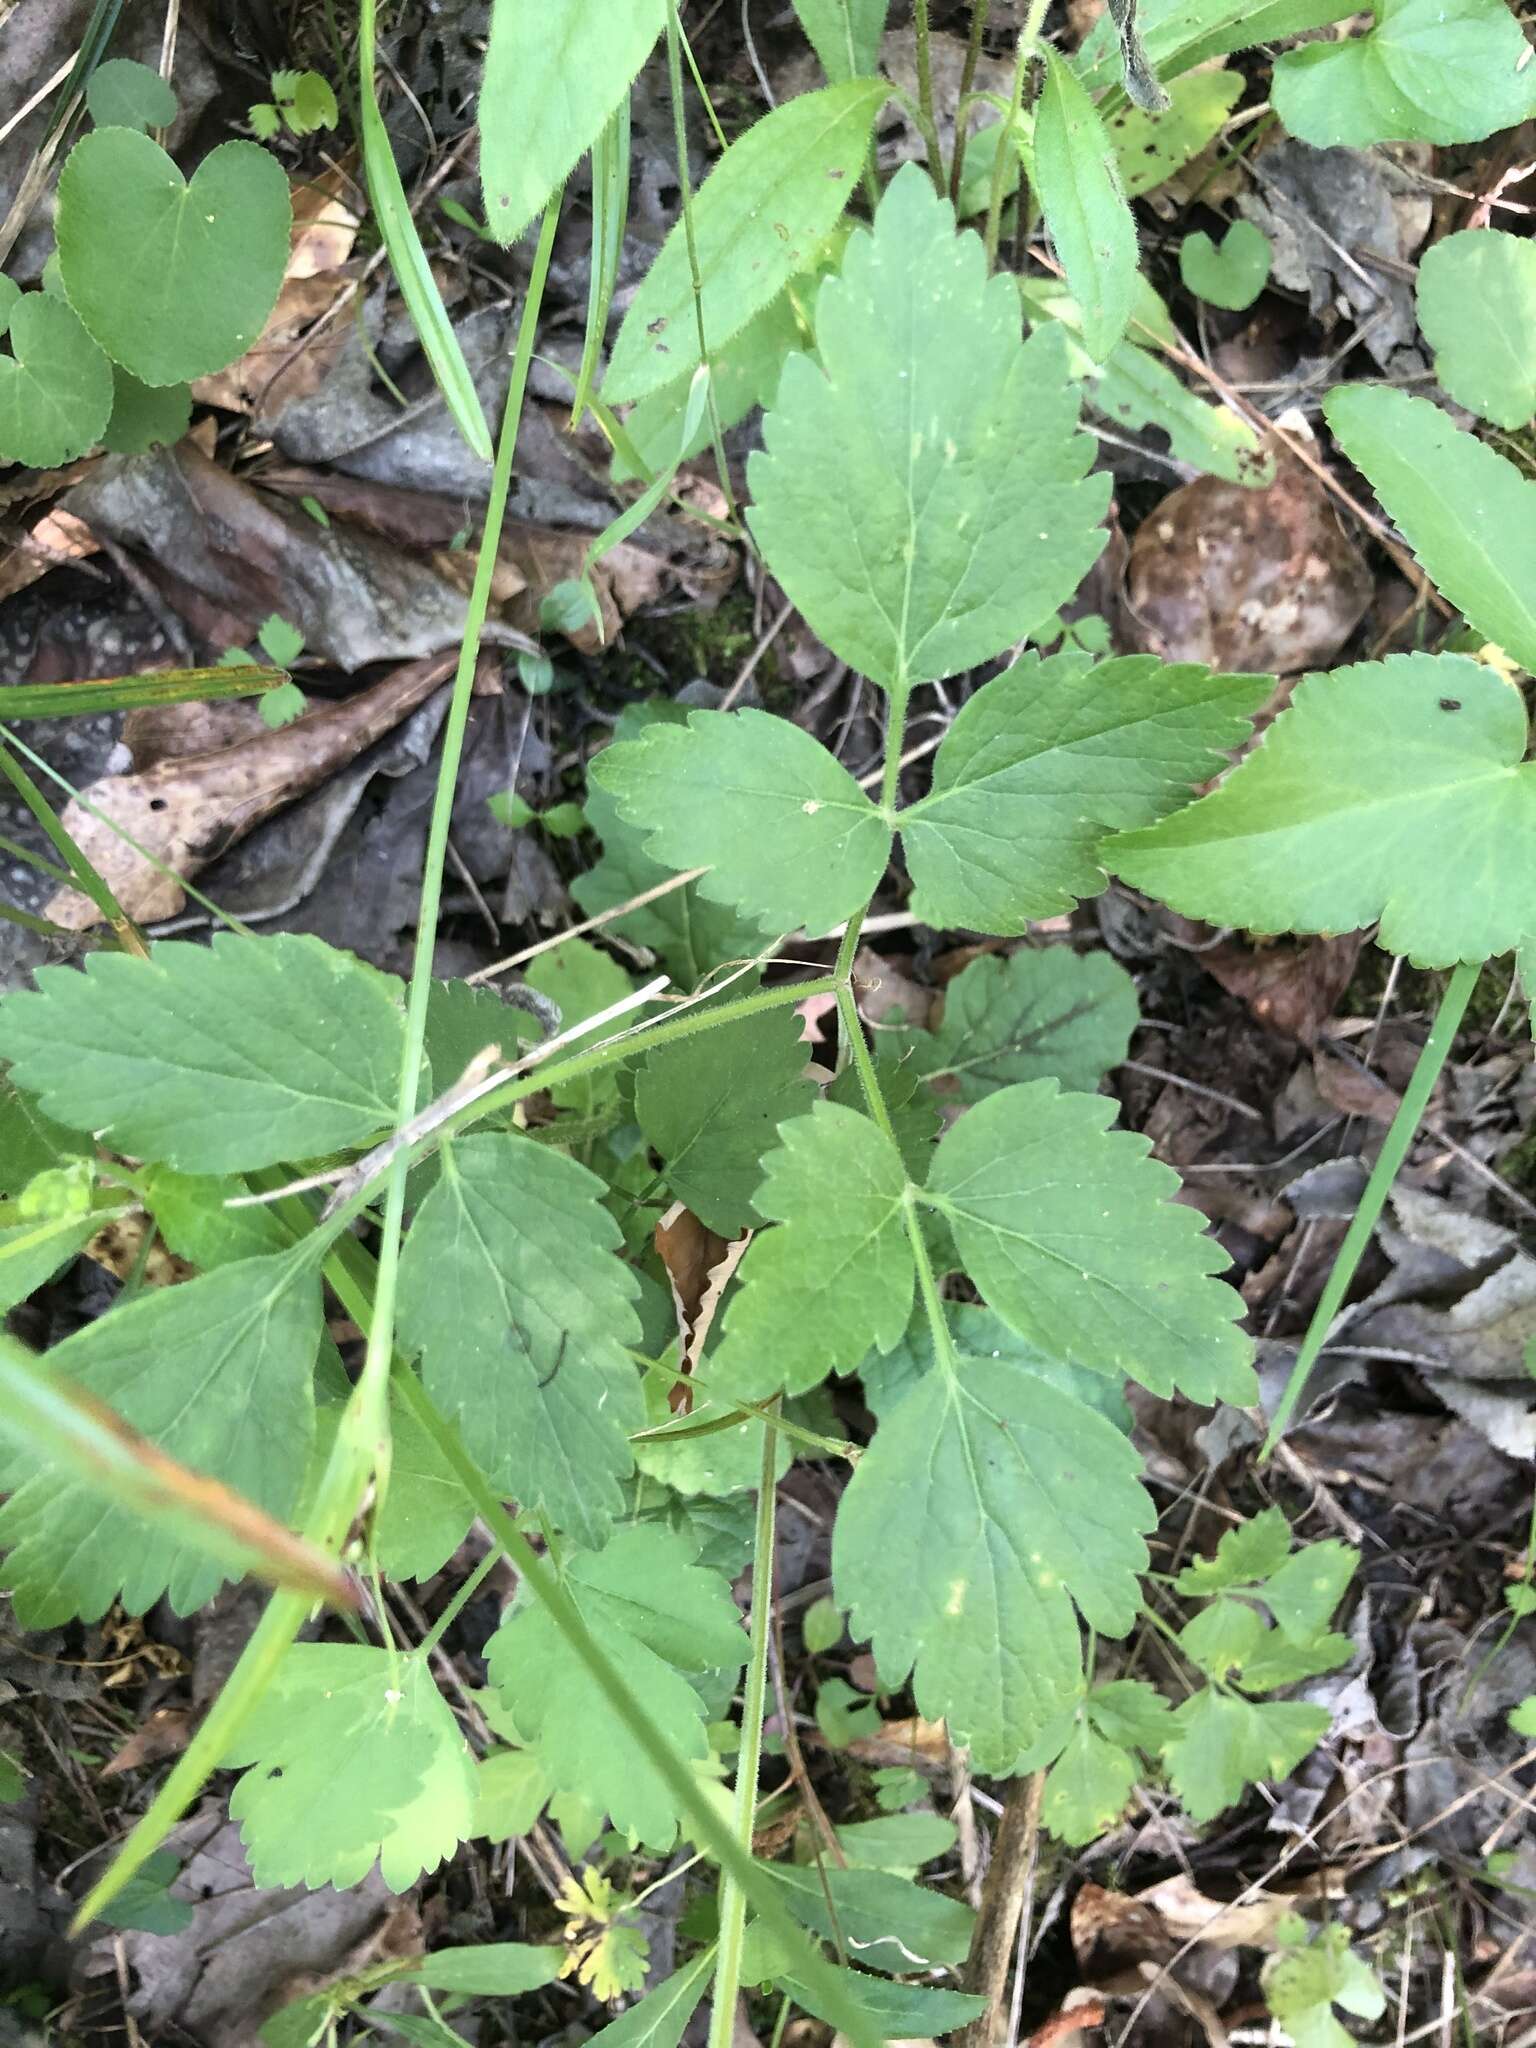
x: 160, y: 279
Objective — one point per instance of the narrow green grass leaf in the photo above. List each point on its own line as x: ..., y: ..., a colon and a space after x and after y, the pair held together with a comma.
x: 213, y: 1058
x: 758, y: 218
x: 173, y: 277
x: 1393, y: 790
x: 355, y: 1759
x: 176, y: 1364
x: 1429, y: 71
x: 788, y: 836
x: 553, y: 76
x: 990, y: 1506
x: 1071, y: 1234
x: 1043, y: 762
x: 135, y: 693
x: 1052, y: 1013
x: 836, y: 1279
x: 510, y: 1290
x: 957, y: 442
x: 1477, y: 311
x: 1085, y: 209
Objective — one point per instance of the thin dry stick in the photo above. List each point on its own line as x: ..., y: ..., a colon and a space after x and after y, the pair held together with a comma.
x: 49, y: 85
x: 1005, y: 1897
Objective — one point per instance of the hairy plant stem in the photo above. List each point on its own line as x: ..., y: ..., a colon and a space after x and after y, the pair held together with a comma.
x: 925, y: 93
x: 733, y: 1900
x: 1394, y: 1150
x: 979, y: 11
x: 360, y: 1454
x: 1023, y: 63
x: 685, y: 189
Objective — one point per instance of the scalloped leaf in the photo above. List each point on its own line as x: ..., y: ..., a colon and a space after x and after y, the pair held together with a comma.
x: 1047, y: 1013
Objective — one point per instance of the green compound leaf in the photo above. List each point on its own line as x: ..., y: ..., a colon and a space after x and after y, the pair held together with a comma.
x: 550, y: 85
x: 1087, y: 1786
x: 758, y: 218
x: 845, y: 34
x: 1231, y: 273
x: 355, y: 1759
x: 893, y: 2011
x: 1429, y: 71
x: 836, y: 1279
x: 1085, y: 209
x: 711, y: 1106
x: 1052, y: 1013
x: 1247, y: 1553
x: 123, y: 94
x: 979, y: 1333
x: 989, y: 1505
x: 1392, y: 790
x: 1222, y: 1744
x: 145, y: 416
x: 660, y: 1617
x: 1477, y: 310
x: 787, y: 834
x: 887, y: 1922
x: 957, y: 443
x: 691, y: 933
x: 1043, y: 762
x: 510, y: 1290
x: 1303, y: 1985
x: 55, y: 385
x: 1068, y: 1231
x: 1468, y: 515
x: 182, y: 1365
x: 213, y: 1058
x: 174, y: 279
x: 1131, y: 1713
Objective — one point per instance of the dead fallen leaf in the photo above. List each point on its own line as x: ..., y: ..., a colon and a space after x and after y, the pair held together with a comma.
x: 166, y: 1732
x: 699, y: 1265
x: 1243, y: 580
x: 925, y: 1745
x: 1293, y: 986
x: 187, y: 810
x: 54, y: 542
x: 1346, y: 1086
x: 1188, y: 1914
x: 118, y: 1245
x: 1079, y: 2013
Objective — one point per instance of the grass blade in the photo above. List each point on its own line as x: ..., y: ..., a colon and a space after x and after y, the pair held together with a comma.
x: 134, y: 693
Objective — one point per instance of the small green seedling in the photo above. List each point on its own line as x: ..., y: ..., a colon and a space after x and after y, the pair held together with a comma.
x: 301, y: 103
x: 1230, y: 273
x: 1310, y: 1976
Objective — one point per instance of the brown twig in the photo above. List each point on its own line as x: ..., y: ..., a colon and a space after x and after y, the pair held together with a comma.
x: 1005, y: 1898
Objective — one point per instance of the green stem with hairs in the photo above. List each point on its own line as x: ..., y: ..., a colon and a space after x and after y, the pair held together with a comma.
x: 1394, y: 1150
x: 1029, y: 39
x: 979, y: 12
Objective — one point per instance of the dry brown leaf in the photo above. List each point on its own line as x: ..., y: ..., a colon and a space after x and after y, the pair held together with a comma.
x: 54, y: 542
x: 187, y: 810
x: 1293, y: 986
x: 1187, y: 1914
x: 166, y: 1732
x: 1080, y: 2012
x: 699, y: 1265
x: 1353, y: 1089
x: 925, y: 1745
x: 118, y: 1245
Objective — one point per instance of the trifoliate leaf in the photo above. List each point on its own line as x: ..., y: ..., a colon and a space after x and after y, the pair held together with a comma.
x: 1392, y: 790
x: 1231, y: 273
x: 1468, y: 515
x: 980, y: 1334
x: 1302, y: 1986
x: 788, y: 836
x: 887, y: 1922
x: 914, y: 1117
x: 213, y: 1058
x: 308, y: 102
x: 1131, y: 1713
x: 355, y: 1759
x: 711, y: 1106
x: 184, y: 1365
x: 123, y: 94
x: 55, y: 385
x: 1085, y: 210
x: 173, y: 277
x: 1247, y: 1553
x: 893, y: 2011
x: 987, y: 1507
x: 958, y: 444
x: 1068, y: 1230
x: 1041, y: 763
x: 510, y: 1290
x: 1051, y: 1013
x: 578, y: 1738
x: 1087, y: 1786
x: 690, y: 932
x: 1429, y: 71
x: 1484, y: 362
x: 836, y: 1277
x: 1223, y: 1744
x: 758, y: 219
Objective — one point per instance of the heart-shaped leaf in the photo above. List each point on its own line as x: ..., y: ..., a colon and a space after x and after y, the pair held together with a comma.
x: 1477, y: 308
x: 174, y: 279
x: 55, y: 386
x: 123, y: 94
x: 1395, y: 790
x: 1230, y: 273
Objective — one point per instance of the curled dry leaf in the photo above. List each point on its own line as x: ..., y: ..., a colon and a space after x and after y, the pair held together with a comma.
x: 1246, y: 581
x: 699, y: 1265
x: 190, y: 808
x: 118, y: 1246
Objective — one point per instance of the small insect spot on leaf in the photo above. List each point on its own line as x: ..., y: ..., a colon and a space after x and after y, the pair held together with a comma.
x: 1450, y: 703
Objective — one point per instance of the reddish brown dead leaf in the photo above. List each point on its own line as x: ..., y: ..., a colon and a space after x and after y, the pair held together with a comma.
x: 1245, y: 580
x: 190, y: 809
x: 1112, y: 1931
x: 925, y: 1745
x: 1354, y: 1089
x: 699, y: 1266
x: 1080, y: 2012
x: 1293, y: 986
x: 167, y: 1732
x: 54, y: 542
